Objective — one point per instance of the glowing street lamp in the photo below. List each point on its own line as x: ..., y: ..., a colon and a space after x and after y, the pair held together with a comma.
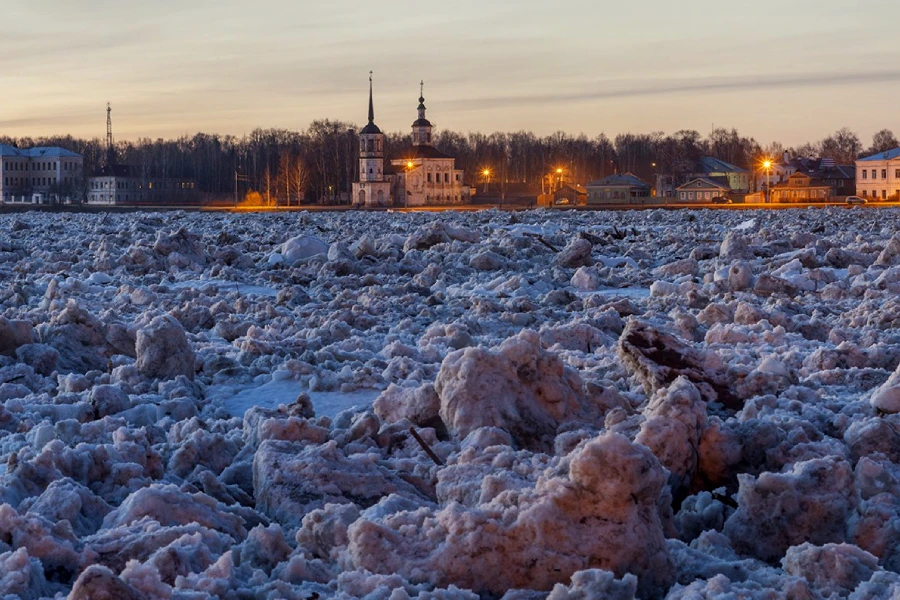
x: 767, y: 165
x: 407, y: 193
x: 559, y: 172
x: 486, y: 174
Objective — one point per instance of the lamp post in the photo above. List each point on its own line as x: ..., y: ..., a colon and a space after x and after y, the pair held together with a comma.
x: 486, y: 174
x: 409, y: 167
x: 768, y: 167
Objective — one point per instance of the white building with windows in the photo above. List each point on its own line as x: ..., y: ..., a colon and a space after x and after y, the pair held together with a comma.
x: 422, y: 175
x: 40, y: 175
x: 124, y: 185
x: 878, y: 176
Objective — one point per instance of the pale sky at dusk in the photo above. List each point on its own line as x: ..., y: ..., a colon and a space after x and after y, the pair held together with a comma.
x: 792, y: 70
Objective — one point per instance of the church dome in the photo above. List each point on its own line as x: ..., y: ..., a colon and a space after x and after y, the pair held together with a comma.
x: 370, y: 129
x: 422, y: 123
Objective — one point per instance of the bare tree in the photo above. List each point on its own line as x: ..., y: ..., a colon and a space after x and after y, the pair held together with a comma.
x: 883, y: 141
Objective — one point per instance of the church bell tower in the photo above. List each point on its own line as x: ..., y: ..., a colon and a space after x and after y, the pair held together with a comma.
x: 371, y: 147
x: 373, y: 188
x: 421, y: 129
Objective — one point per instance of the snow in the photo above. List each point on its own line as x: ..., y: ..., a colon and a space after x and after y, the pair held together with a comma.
x: 745, y: 225
x: 273, y: 393
x: 660, y: 404
x: 221, y: 286
x: 625, y: 292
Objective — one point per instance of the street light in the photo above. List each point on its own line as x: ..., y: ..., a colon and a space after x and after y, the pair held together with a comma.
x: 487, y: 179
x: 767, y: 165
x: 406, y: 195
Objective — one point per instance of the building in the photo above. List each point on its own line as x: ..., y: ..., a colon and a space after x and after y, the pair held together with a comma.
x: 374, y: 185
x: 800, y: 187
x: 422, y: 175
x: 841, y: 178
x: 40, y: 175
x: 738, y: 179
x: 618, y: 189
x: 878, y: 176
x: 703, y: 189
x: 124, y: 185
x: 706, y: 167
x: 570, y: 194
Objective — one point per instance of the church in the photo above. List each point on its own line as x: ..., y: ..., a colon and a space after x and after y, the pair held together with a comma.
x: 421, y: 176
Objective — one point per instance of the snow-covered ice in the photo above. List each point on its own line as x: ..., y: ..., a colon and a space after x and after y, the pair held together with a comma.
x: 656, y: 404
x: 286, y: 391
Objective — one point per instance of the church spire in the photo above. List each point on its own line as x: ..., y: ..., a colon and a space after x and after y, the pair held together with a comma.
x: 422, y: 126
x: 371, y: 103
x: 371, y: 128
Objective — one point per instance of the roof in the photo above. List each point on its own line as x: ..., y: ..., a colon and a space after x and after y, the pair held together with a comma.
x: 370, y: 129
x: 626, y: 179
x: 710, y: 164
x: 422, y: 123
x: 116, y: 171
x: 51, y: 152
x: 6, y: 150
x: 575, y: 188
x: 889, y: 155
x: 422, y: 152
x: 41, y: 152
x: 707, y: 181
x: 814, y: 182
x: 835, y: 172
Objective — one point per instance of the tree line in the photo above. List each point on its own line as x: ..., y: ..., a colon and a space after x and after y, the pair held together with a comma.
x: 321, y: 163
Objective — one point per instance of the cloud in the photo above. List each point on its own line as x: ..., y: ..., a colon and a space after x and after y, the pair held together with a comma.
x: 689, y: 85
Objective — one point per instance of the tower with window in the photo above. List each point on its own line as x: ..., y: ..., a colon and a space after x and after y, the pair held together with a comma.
x: 421, y: 129
x: 372, y: 189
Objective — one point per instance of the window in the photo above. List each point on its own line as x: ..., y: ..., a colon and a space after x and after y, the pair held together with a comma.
x: 884, y: 194
x: 884, y: 173
x: 690, y: 195
x: 447, y: 178
x: 865, y: 193
x: 684, y: 195
x: 429, y: 178
x: 897, y: 173
x: 865, y: 174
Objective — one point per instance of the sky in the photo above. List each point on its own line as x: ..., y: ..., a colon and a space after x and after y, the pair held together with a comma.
x: 789, y: 70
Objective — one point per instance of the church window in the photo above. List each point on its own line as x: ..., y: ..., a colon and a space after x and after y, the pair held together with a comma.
x: 446, y: 177
x: 429, y: 178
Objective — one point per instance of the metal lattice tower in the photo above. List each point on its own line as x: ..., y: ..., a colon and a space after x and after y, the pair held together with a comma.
x: 110, y: 151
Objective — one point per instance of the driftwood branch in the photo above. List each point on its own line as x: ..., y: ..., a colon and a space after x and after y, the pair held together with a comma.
x: 437, y: 460
x: 541, y: 239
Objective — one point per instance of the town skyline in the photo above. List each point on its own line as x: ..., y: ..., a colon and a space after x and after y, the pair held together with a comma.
x: 788, y: 73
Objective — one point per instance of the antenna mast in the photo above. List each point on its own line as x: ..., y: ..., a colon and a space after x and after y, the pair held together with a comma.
x: 110, y: 151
